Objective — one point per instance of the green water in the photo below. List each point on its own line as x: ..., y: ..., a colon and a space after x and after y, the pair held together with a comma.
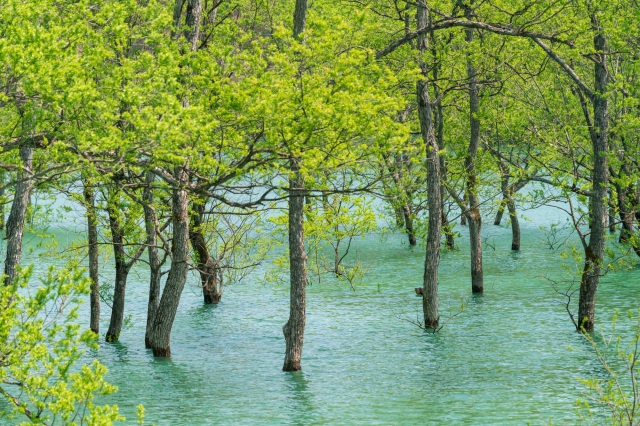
x: 504, y: 360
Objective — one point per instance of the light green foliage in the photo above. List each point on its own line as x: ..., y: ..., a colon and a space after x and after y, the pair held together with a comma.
x: 43, y: 374
x: 616, y: 395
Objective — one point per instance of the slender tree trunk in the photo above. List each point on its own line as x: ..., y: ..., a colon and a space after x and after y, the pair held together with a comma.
x: 408, y: 224
x: 594, y: 251
x: 294, y: 328
x: 151, y: 226
x: 160, y: 336
x: 473, y: 214
x: 2, y: 194
x: 92, y: 237
x: 122, y: 271
x: 432, y: 258
x: 207, y: 265
x: 399, y: 213
x: 18, y: 214
x: 427, y: 130
x: 503, y: 203
x: 515, y: 225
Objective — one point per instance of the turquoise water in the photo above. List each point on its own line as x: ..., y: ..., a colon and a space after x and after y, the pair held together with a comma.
x: 505, y: 359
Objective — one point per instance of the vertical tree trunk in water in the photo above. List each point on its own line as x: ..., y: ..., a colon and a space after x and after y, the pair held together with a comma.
x: 17, y: 215
x: 498, y: 220
x: 151, y: 226
x: 408, y: 224
x: 2, y: 193
x: 160, y: 338
x: 515, y: 225
x: 122, y: 271
x: 294, y: 328
x: 473, y: 215
x: 594, y: 252
x: 432, y: 258
x: 427, y: 131
x: 207, y: 265
x: 92, y: 240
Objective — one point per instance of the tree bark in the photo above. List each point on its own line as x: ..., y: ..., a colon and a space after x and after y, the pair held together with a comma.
x: 473, y: 214
x: 594, y: 252
x: 160, y: 336
x: 408, y: 224
x: 294, y: 328
x: 434, y: 184
x: 207, y: 264
x: 92, y: 241
x: 515, y: 225
x: 17, y: 215
x: 432, y: 258
x: 151, y: 227
x: 122, y: 271
x: 503, y: 203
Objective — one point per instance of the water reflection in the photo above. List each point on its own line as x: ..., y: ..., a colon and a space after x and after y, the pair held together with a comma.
x: 299, y: 402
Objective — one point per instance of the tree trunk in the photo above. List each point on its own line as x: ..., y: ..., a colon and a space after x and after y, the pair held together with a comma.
x: 408, y: 224
x: 294, y: 328
x: 2, y: 193
x: 17, y: 215
x: 515, y: 225
x: 498, y: 220
x: 434, y: 184
x: 207, y: 265
x: 92, y: 241
x: 432, y: 257
x: 594, y: 252
x: 160, y: 336
x: 122, y: 271
x: 151, y: 226
x: 473, y: 214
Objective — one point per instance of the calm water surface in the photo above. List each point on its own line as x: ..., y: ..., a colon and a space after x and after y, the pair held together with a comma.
x: 505, y: 359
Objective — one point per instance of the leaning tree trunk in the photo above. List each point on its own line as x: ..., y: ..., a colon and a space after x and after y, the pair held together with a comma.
x: 92, y: 241
x: 17, y: 216
x: 594, y: 251
x: 473, y: 215
x: 122, y: 271
x: 160, y: 337
x: 151, y: 226
x: 503, y: 203
x: 294, y: 328
x: 207, y: 265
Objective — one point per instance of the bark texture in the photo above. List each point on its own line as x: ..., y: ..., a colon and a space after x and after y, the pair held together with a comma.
x: 427, y: 131
x: 294, y: 328
x: 151, y: 227
x: 208, y: 268
x: 594, y: 252
x: 92, y: 241
x: 160, y: 336
x: 17, y: 215
x: 122, y: 272
x: 473, y: 215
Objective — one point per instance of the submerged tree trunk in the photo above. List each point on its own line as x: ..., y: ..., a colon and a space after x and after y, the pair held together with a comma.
x: 515, y: 225
x: 92, y: 241
x: 207, y: 264
x: 434, y: 196
x: 294, y: 328
x: 18, y: 214
x: 408, y: 224
x: 122, y: 271
x: 160, y: 337
x: 594, y: 251
x: 473, y: 214
x: 151, y: 227
x: 432, y: 258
